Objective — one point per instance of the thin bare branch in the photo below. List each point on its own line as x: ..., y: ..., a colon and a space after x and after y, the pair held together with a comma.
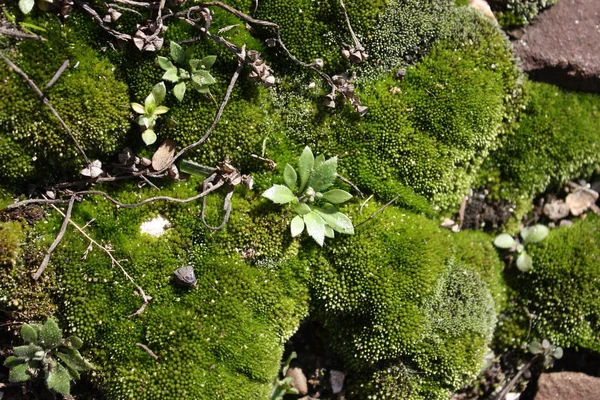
x: 226, y: 207
x: 20, y: 35
x: 58, y: 73
x: 272, y: 164
x: 114, y: 261
x: 46, y: 102
x: 354, y: 38
x: 59, y: 237
x: 36, y: 201
x: 147, y: 350
x: 386, y: 205
x: 349, y: 183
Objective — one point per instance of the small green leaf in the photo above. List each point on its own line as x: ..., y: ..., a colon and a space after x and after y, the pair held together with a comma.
x: 315, y: 226
x: 520, y: 247
x: 201, y: 89
x: 26, y: 6
x: 338, y: 221
x: 177, y: 53
x: 297, y: 225
x: 208, y: 62
x: 320, y: 159
x: 165, y: 63
x: 150, y: 104
x: 290, y: 177
x: 337, y: 196
x: 171, y: 75
x: 161, y: 110
x: 203, y: 78
x: 27, y: 352
x: 301, y: 208
x: 324, y: 175
x: 59, y: 380
x: 524, y: 262
x: 535, y: 348
x: 279, y: 194
x: 138, y: 108
x: 149, y: 137
x: 28, y: 333
x: 50, y: 334
x: 74, y: 342
x: 504, y: 241
x: 19, y: 373
x: 534, y: 234
x: 329, y: 232
x: 74, y: 360
x: 557, y: 353
x: 193, y: 168
x: 305, y: 166
x: 12, y: 361
x: 179, y: 90
x: 159, y: 91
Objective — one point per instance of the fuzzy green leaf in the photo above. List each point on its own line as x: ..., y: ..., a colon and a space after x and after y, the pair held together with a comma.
x: 337, y: 196
x: 50, y: 334
x: 320, y: 159
x: 74, y: 342
x: 161, y: 110
x: 315, y: 226
x: 149, y: 137
x: 301, y: 208
x: 504, y: 241
x: 329, y: 232
x: 290, y: 177
x: 19, y: 373
x: 27, y: 352
x: 279, y: 194
x: 208, y: 61
x: 534, y: 234
x: 138, y: 108
x: 171, y: 75
x: 26, y: 6
x: 177, y: 53
x: 165, y: 63
x: 74, y: 360
x: 305, y: 166
x: 557, y: 353
x: 524, y: 262
x: 29, y: 334
x: 338, y: 221
x: 324, y: 175
x: 203, y: 78
x: 12, y: 361
x: 59, y: 380
x: 535, y: 348
x: 159, y: 91
x: 179, y: 90
x: 297, y: 225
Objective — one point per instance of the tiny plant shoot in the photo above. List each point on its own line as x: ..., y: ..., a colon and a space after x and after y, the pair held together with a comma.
x: 305, y: 192
x: 182, y: 67
x: 47, y: 356
x: 534, y: 234
x: 150, y: 111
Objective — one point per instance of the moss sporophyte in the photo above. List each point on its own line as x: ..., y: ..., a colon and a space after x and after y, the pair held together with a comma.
x: 316, y: 175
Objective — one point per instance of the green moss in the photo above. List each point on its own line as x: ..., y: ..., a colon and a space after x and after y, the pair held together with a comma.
x: 518, y: 13
x: 88, y: 97
x: 224, y: 338
x: 561, y: 291
x: 557, y: 139
x: 395, y: 298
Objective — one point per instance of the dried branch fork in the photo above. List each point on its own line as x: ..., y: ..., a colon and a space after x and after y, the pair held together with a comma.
x: 20, y: 35
x: 386, y: 205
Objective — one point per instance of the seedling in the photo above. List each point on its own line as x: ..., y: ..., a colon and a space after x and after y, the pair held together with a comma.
x: 47, y: 356
x: 316, y: 175
x: 534, y: 234
x: 183, y: 68
x: 150, y: 111
x: 284, y: 386
x: 547, y: 350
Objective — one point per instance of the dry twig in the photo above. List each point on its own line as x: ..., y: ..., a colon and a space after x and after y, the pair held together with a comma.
x: 147, y: 350
x: 386, y: 205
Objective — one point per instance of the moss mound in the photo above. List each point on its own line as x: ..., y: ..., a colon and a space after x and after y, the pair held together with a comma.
x: 518, y: 13
x: 406, y: 313
x: 89, y: 97
x: 561, y: 290
x: 557, y: 139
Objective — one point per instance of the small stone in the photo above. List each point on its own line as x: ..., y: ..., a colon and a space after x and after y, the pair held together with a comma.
x: 565, y: 222
x: 155, y: 227
x: 484, y: 7
x: 556, y: 210
x: 580, y: 200
x: 298, y: 380
x: 567, y: 385
x: 336, y: 379
x: 185, y: 276
x: 447, y: 223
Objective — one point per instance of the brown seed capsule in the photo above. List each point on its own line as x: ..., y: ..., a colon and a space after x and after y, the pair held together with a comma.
x: 269, y: 81
x: 346, y: 53
x: 318, y: 63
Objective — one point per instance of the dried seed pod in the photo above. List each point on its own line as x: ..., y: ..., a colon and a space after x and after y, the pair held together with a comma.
x: 356, y: 57
x: 145, y: 162
x: 253, y: 76
x: 269, y: 81
x: 185, y: 276
x: 318, y: 63
x: 401, y: 73
x: 271, y: 42
x: 173, y: 172
x: 329, y: 100
x: 248, y: 181
x: 346, y: 53
x: 361, y: 110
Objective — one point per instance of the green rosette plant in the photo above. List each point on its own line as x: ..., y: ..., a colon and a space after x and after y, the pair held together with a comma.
x: 150, y: 112
x: 305, y: 192
x: 534, y: 234
x: 47, y: 356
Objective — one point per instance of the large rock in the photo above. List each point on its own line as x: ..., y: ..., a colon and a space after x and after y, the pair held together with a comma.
x: 563, y: 45
x: 568, y: 386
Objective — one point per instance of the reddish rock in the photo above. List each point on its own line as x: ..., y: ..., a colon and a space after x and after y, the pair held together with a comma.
x: 568, y: 386
x: 563, y: 45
